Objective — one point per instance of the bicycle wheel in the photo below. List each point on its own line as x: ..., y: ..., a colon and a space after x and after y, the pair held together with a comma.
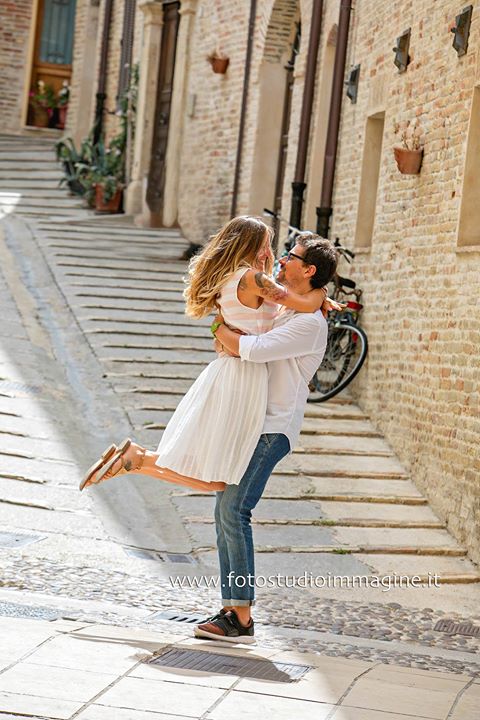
x: 347, y: 348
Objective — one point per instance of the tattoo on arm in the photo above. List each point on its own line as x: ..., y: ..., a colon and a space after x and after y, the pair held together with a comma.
x: 269, y: 287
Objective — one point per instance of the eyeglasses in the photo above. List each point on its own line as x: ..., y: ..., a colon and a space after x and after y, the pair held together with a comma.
x: 291, y: 255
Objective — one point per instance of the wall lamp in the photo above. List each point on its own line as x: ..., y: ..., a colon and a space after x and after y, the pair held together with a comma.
x: 461, y: 30
x: 402, y: 58
x: 352, y: 83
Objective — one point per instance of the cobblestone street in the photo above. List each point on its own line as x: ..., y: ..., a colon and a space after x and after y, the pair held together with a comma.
x: 95, y: 347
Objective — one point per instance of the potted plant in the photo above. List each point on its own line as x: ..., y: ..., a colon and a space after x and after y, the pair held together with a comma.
x: 219, y: 62
x: 45, y: 99
x: 410, y: 155
x: 107, y: 172
x: 76, y: 163
x: 63, y: 98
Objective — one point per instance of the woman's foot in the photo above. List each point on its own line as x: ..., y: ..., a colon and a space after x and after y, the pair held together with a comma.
x: 128, y: 458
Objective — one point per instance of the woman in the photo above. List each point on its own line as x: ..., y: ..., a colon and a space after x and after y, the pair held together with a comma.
x: 212, y: 434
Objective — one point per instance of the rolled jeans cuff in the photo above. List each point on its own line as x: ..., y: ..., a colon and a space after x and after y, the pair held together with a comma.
x: 231, y: 602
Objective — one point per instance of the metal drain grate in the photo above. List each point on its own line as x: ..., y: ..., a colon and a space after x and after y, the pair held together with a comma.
x: 28, y: 611
x: 179, y: 558
x: 230, y: 665
x: 458, y: 628
x: 13, y: 540
x: 143, y: 554
x: 178, y: 617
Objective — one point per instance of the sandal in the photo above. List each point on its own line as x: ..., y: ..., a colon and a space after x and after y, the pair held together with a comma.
x: 125, y: 467
x: 97, y: 465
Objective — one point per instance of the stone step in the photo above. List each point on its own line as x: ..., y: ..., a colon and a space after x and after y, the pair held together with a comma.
x: 338, y: 427
x: 28, y: 211
x: 29, y: 175
x: 112, y: 292
x: 87, y: 231
x: 24, y: 157
x: 141, y: 342
x: 23, y: 165
x: 369, y: 490
x: 312, y: 512
x: 28, y: 184
x: 105, y: 326
x: 341, y: 444
x: 348, y: 466
x: 451, y: 568
x: 37, y: 205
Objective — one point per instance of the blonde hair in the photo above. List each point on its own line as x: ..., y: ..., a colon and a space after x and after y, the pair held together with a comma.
x: 236, y: 245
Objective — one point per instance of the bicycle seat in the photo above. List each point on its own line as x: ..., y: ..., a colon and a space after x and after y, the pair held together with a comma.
x: 346, y: 282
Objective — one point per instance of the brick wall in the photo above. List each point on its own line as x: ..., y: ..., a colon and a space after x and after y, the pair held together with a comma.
x: 15, y: 19
x: 420, y: 385
x: 207, y: 162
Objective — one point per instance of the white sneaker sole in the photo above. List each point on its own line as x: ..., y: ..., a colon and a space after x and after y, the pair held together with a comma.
x: 247, y: 639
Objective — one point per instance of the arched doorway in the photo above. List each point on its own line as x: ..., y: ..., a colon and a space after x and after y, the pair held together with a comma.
x: 275, y: 87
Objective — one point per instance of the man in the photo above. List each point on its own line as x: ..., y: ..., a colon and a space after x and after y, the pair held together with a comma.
x: 293, y: 350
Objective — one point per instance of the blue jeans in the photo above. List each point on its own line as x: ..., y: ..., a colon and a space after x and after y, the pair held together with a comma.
x: 233, y: 513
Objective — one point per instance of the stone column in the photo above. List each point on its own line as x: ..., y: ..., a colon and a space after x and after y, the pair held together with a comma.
x: 147, y: 92
x: 177, y: 112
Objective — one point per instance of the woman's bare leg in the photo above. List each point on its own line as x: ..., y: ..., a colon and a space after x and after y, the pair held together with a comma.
x: 135, y: 462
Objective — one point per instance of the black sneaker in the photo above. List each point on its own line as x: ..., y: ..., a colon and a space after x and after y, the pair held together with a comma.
x: 227, y: 628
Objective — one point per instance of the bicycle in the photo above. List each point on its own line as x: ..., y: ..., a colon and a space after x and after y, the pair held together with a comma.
x: 347, y: 343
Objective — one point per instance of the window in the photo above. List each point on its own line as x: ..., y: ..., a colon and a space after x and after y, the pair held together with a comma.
x: 469, y: 223
x: 372, y: 154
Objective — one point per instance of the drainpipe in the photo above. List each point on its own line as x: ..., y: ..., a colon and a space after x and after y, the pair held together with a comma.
x: 102, y: 73
x: 324, y: 212
x: 299, y: 184
x: 243, y: 112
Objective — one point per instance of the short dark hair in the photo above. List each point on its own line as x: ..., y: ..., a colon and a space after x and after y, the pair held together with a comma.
x: 321, y: 253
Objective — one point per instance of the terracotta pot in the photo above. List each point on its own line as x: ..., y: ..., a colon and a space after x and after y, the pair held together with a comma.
x: 408, y: 162
x: 38, y: 116
x: 219, y: 64
x: 62, y: 116
x: 112, y: 206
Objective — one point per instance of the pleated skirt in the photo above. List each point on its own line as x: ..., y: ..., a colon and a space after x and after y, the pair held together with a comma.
x: 217, y: 425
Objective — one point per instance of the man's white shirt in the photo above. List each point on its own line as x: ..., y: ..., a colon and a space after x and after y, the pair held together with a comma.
x: 293, y: 350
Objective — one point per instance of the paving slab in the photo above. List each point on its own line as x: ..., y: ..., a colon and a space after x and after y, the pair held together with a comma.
x: 468, y: 704
x: 32, y: 705
x: 414, y: 694
x: 76, y: 652
x: 238, y: 705
x: 100, y: 712
x: 157, y: 696
x: 52, y: 682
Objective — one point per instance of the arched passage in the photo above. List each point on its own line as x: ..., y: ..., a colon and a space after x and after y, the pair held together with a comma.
x: 321, y: 113
x: 275, y: 84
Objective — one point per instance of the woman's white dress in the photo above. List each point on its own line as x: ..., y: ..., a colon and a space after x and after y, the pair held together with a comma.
x: 216, y: 426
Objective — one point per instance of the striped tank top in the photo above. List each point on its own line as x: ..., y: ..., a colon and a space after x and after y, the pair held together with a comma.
x: 249, y: 320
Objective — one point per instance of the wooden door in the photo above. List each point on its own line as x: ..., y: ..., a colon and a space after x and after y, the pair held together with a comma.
x: 53, y: 52
x: 156, y: 176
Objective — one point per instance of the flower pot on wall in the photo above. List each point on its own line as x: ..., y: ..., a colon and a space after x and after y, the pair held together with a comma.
x: 219, y: 64
x: 408, y: 161
x: 107, y: 206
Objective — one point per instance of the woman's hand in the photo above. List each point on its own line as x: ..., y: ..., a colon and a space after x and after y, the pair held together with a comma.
x: 329, y: 304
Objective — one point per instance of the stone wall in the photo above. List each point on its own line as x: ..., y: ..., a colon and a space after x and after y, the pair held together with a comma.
x: 15, y: 20
x: 421, y: 291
